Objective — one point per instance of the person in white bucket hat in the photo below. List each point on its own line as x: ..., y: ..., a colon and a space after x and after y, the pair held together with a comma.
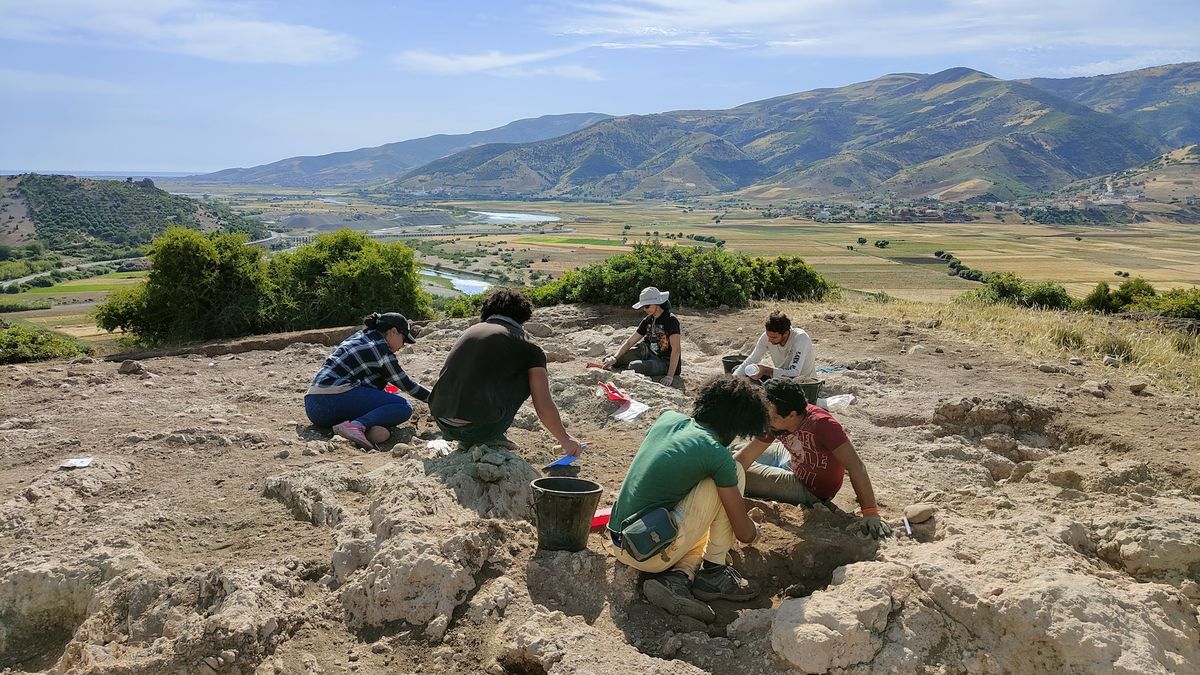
x: 653, y: 349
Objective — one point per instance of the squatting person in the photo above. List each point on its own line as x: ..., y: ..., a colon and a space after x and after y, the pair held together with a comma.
x: 347, y: 392
x: 490, y: 372
x: 684, y: 465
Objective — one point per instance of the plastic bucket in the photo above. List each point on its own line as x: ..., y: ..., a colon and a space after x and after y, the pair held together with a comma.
x: 731, y: 362
x: 811, y: 389
x: 563, y: 509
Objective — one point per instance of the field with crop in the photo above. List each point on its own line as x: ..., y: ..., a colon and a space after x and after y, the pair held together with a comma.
x: 1166, y: 254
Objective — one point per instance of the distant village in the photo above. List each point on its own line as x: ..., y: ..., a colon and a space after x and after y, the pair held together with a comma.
x: 1067, y: 207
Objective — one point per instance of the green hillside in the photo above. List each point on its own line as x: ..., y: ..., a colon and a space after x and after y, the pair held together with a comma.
x: 958, y: 131
x: 1164, y: 100
x: 86, y: 217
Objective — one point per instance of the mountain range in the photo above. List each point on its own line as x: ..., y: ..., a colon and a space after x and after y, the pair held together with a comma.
x: 955, y: 134
x: 372, y: 165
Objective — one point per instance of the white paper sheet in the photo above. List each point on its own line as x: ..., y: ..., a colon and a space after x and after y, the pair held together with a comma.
x: 630, y: 410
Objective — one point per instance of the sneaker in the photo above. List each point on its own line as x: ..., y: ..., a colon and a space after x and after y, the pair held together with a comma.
x: 723, y: 583
x: 669, y: 591
x: 355, y: 433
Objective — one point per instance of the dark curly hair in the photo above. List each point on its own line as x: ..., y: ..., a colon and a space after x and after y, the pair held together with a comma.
x: 510, y: 302
x: 731, y: 407
x: 787, y: 396
x: 778, y: 322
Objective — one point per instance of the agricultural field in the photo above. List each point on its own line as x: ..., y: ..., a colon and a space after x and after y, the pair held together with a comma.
x: 1166, y: 254
x: 73, y: 304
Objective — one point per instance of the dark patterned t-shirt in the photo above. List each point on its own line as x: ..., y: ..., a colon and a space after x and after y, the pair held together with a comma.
x: 658, y: 334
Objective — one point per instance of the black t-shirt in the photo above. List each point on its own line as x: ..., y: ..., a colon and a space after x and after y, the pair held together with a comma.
x: 658, y: 334
x: 486, y: 375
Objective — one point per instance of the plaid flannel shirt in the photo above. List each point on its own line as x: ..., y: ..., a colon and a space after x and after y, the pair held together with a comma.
x: 365, y: 359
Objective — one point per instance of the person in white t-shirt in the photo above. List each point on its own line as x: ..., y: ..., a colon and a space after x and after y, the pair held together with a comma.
x: 790, y: 348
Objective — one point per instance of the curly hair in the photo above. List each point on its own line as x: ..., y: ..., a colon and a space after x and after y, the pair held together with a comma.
x: 506, y: 301
x: 778, y: 322
x: 731, y: 407
x: 787, y: 396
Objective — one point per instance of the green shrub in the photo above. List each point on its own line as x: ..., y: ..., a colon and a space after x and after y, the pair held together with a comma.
x: 696, y: 277
x: 1132, y: 291
x: 213, y: 286
x: 460, y: 307
x: 1046, y: 295
x: 1067, y: 338
x: 341, y: 277
x: 1099, y: 300
x: 1007, y: 288
x: 19, y: 344
x: 200, y: 287
x: 1180, y: 303
x: 1115, y: 345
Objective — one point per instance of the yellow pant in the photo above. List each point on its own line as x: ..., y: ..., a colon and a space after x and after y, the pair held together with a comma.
x: 704, y: 532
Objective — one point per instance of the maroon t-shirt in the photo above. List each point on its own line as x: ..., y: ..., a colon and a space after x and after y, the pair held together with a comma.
x: 811, y: 448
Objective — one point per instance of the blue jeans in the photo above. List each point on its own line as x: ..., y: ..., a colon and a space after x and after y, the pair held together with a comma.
x: 368, y: 406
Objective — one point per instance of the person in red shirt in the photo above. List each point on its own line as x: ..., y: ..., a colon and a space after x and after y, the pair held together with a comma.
x: 805, y: 457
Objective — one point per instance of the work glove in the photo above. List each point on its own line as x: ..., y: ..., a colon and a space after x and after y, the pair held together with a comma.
x: 874, y: 526
x: 668, y: 380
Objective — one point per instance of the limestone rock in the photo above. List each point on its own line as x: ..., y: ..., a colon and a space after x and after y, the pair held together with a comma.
x: 919, y: 513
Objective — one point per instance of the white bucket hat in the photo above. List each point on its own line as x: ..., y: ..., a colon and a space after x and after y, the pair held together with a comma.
x: 651, y: 296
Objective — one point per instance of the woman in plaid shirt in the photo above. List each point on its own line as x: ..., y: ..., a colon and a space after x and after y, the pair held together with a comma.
x: 348, y: 392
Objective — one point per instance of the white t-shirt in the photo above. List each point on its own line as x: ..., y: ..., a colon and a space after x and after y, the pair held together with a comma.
x: 794, y: 358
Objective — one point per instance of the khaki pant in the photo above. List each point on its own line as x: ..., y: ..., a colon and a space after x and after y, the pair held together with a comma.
x: 704, y: 532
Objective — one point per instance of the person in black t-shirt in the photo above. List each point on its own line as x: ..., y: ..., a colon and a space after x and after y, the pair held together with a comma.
x: 653, y: 350
x: 490, y: 372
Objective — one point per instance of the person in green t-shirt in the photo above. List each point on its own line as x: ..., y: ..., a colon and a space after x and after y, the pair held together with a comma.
x: 685, y: 465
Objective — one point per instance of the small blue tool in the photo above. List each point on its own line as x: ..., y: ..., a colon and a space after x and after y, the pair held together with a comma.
x: 563, y: 461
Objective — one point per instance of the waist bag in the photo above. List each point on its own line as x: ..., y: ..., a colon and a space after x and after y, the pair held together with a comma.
x: 648, y: 535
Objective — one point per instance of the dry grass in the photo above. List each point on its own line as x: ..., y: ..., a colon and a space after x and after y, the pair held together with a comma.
x: 1168, y: 358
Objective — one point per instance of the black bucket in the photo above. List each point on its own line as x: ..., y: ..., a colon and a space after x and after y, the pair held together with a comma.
x: 564, y: 508
x: 732, y: 361
x: 811, y: 389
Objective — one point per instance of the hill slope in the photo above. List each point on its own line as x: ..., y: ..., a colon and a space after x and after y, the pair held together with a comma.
x: 907, y: 133
x: 1164, y: 100
x: 370, y: 165
x: 80, y: 216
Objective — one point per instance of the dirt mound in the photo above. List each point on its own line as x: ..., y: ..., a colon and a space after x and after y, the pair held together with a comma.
x: 216, y: 531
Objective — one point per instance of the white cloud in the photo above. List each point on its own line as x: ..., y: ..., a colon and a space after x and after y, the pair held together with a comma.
x: 17, y: 82
x: 1133, y: 62
x: 851, y: 28
x: 208, y: 29
x: 495, y: 63
x: 568, y: 71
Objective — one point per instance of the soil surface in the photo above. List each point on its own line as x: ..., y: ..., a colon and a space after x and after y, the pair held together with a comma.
x: 216, y: 530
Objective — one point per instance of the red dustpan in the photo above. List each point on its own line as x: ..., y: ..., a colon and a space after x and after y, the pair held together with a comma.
x: 601, y: 517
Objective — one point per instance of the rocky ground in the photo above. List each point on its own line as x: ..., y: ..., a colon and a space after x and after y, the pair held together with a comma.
x: 217, y: 532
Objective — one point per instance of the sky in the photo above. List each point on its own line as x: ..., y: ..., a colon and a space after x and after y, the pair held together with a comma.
x: 202, y: 85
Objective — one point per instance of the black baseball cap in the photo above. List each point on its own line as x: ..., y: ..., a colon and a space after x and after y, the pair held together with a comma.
x: 399, y: 322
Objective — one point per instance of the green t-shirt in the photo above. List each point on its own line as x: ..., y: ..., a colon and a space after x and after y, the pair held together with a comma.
x: 676, y: 455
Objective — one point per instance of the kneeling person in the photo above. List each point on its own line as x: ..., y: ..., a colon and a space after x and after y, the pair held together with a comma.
x: 805, y: 457
x: 685, y: 465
